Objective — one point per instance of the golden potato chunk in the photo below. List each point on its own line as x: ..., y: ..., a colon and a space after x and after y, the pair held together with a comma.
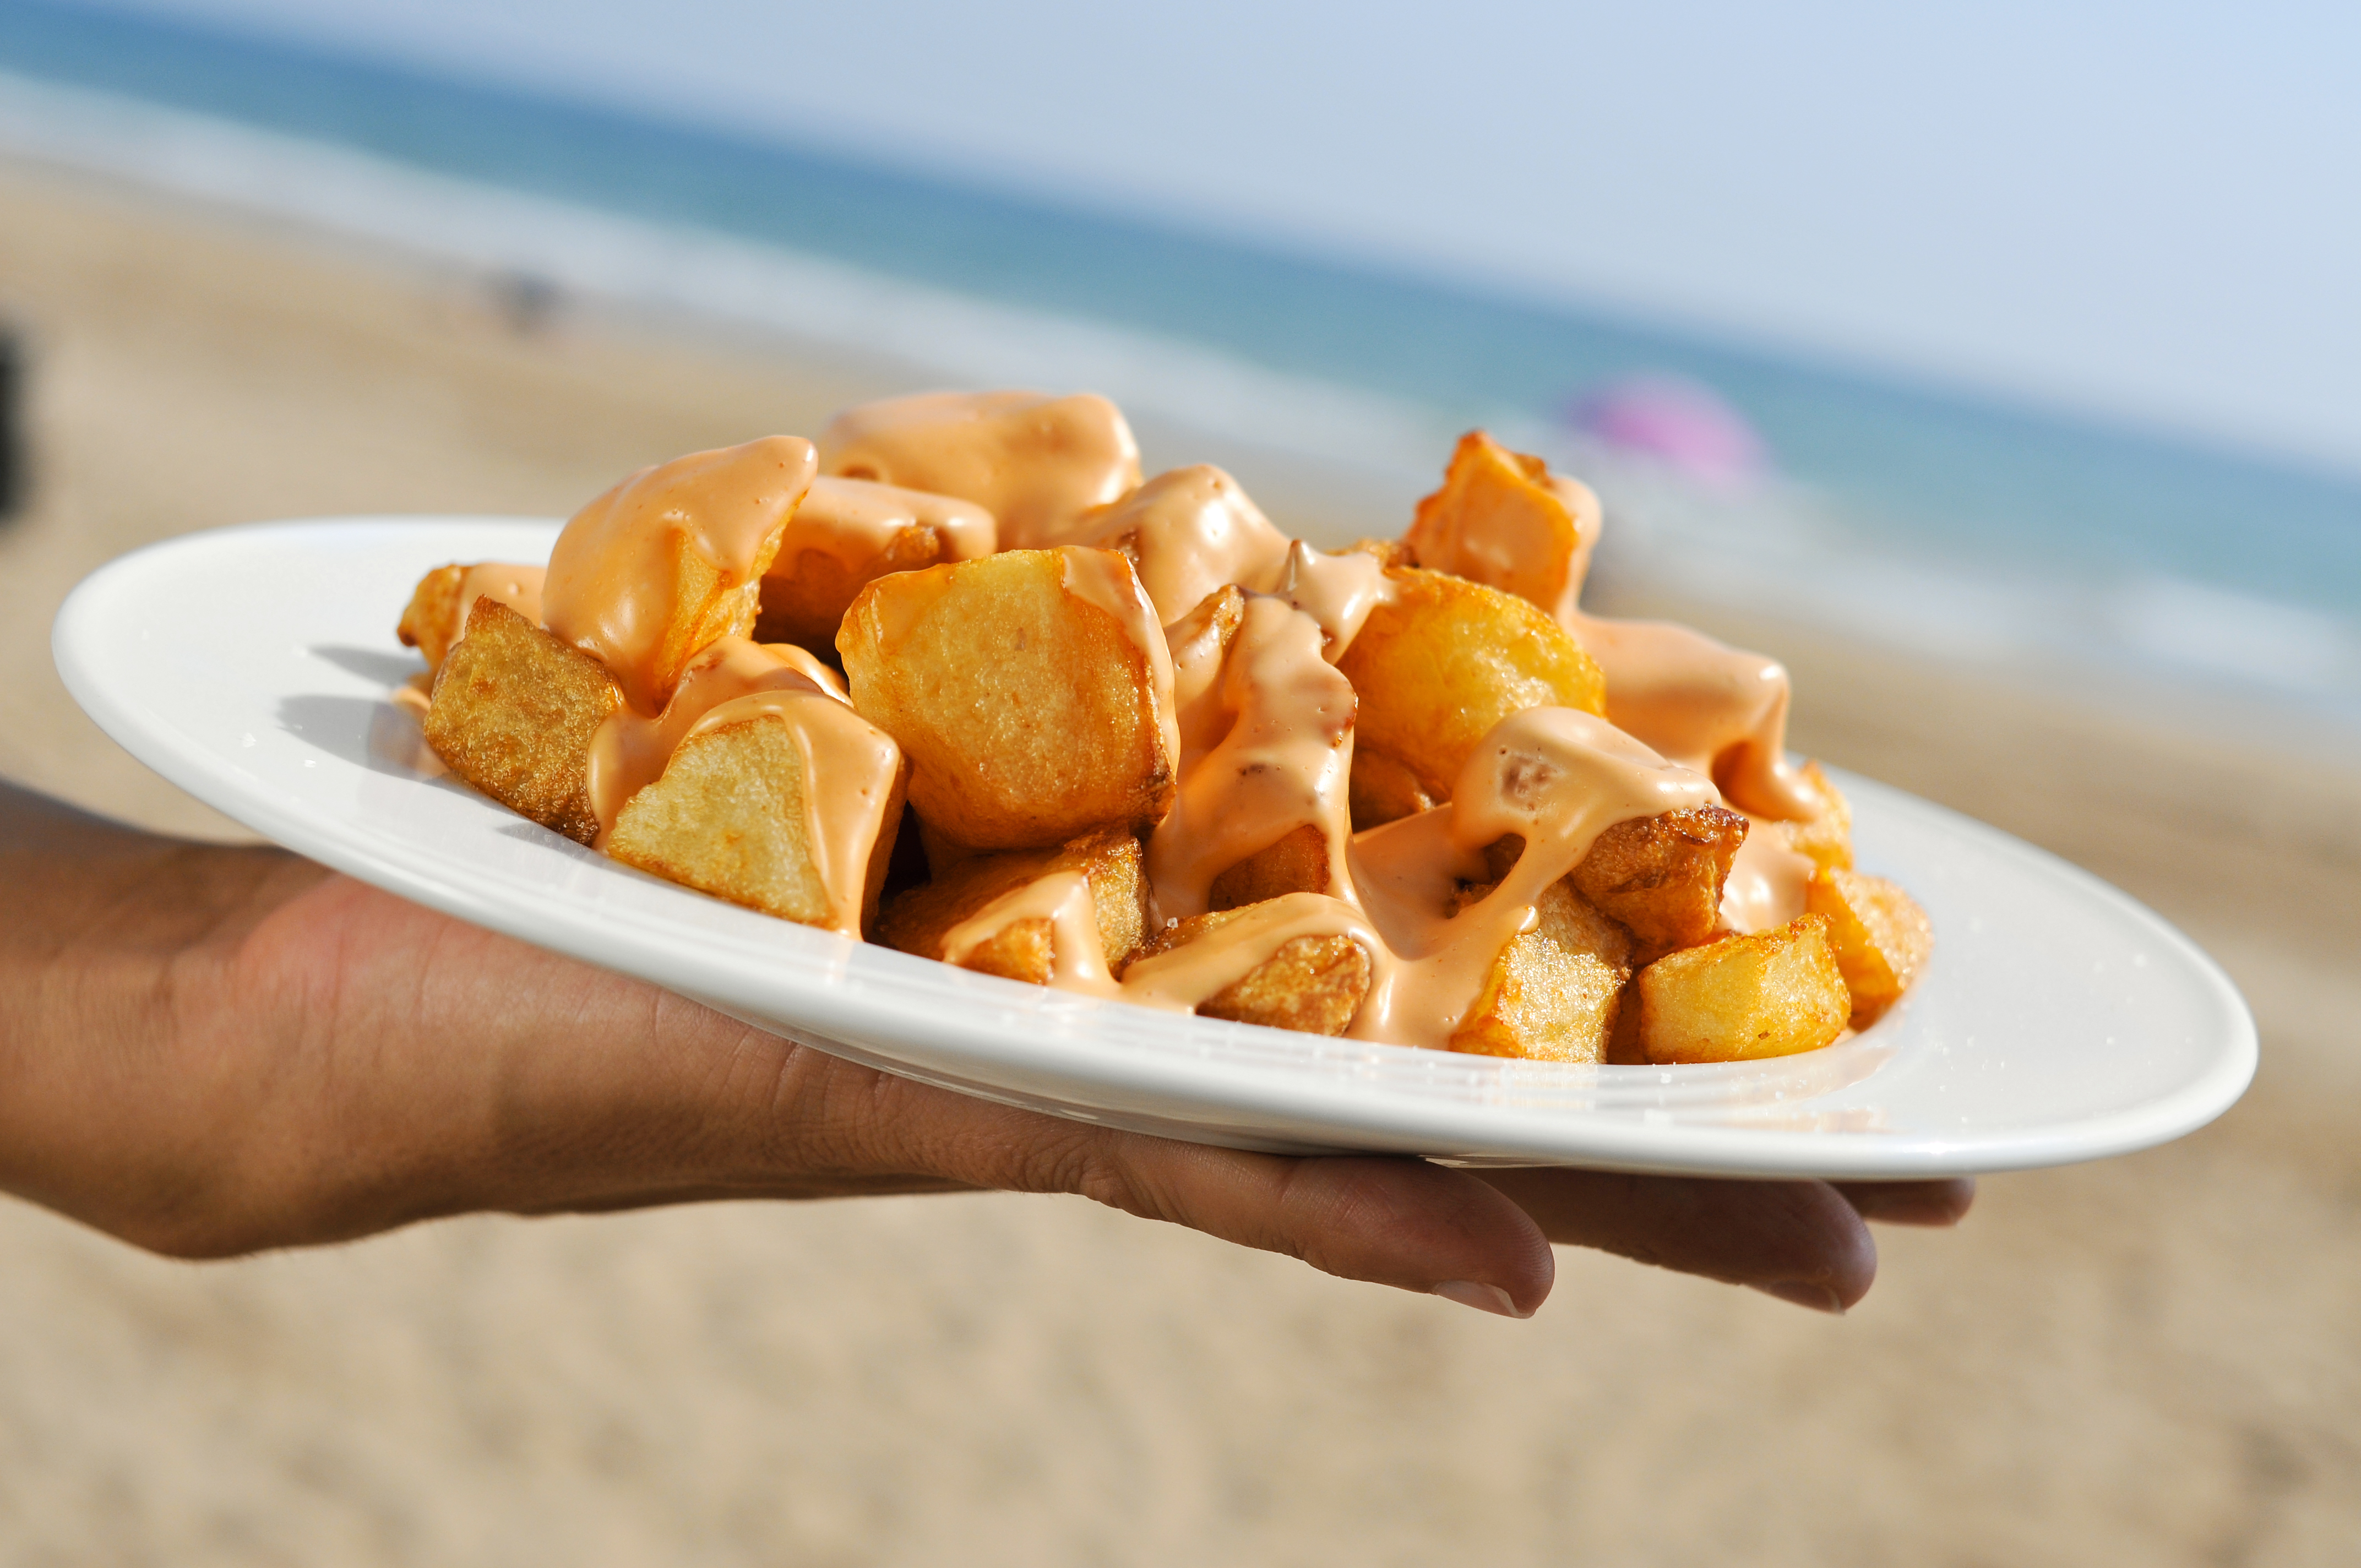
x: 1772, y: 994
x: 1827, y: 838
x: 1662, y: 875
x: 1553, y: 993
x: 1442, y: 660
x: 1382, y: 791
x: 1297, y: 863
x: 1032, y: 690
x: 1311, y: 984
x: 804, y: 597
x: 436, y: 614
x: 1503, y: 520
x: 846, y: 533
x: 1880, y: 937
x: 751, y: 810
x: 920, y: 920
x: 1314, y: 984
x: 433, y: 618
x: 513, y: 711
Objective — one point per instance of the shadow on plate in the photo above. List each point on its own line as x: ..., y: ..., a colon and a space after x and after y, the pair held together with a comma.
x: 525, y: 831
x: 368, y: 732
x: 388, y: 670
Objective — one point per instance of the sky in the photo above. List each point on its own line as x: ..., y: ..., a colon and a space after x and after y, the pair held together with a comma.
x: 2151, y: 213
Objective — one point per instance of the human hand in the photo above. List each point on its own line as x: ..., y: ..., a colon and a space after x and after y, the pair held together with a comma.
x: 211, y: 1051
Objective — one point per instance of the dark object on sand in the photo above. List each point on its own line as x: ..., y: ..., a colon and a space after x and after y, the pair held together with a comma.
x: 526, y: 301
x: 12, y: 422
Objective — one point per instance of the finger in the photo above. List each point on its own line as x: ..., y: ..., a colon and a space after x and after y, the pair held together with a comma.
x: 1911, y: 1202
x: 1799, y: 1241
x: 1397, y: 1221
x: 1393, y: 1221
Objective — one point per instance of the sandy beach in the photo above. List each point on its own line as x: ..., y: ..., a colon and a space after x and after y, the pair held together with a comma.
x: 2156, y: 1359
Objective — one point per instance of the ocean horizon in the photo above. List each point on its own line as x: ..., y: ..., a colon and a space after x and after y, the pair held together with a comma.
x: 1949, y: 522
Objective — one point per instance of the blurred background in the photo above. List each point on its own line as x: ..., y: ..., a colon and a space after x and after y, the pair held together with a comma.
x: 1998, y: 367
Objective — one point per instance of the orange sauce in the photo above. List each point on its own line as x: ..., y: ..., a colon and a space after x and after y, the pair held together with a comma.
x: 853, y: 521
x: 1035, y: 462
x: 1266, y: 747
x: 670, y: 549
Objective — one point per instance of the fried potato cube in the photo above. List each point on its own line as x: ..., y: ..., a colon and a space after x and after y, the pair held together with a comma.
x: 513, y: 711
x: 1554, y: 991
x: 804, y: 597
x: 433, y: 618
x: 1032, y: 690
x: 436, y: 614
x: 1880, y: 935
x: 1298, y: 862
x: 1382, y: 790
x: 746, y: 811
x: 1771, y: 993
x: 1502, y: 519
x: 1662, y: 875
x: 845, y: 534
x: 921, y: 920
x: 1442, y: 660
x: 1313, y: 984
x: 1827, y: 838
x: 1623, y: 1046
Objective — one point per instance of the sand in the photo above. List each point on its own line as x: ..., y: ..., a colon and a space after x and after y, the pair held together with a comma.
x: 2155, y: 1359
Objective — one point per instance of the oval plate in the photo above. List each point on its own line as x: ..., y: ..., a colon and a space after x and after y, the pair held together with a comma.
x: 2057, y: 1021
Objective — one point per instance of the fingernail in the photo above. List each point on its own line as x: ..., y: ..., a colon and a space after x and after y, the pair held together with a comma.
x: 1483, y: 1298
x: 1804, y: 1293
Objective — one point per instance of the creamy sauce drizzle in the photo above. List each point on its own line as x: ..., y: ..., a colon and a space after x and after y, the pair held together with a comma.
x: 1191, y: 530
x: 1337, y: 591
x: 1266, y: 747
x: 854, y: 523
x: 1707, y: 705
x: 416, y: 696
x: 519, y: 587
x: 1035, y: 462
x: 1767, y: 884
x: 615, y: 585
x: 1555, y: 776
x: 1106, y: 579
x: 1077, y: 956
x: 629, y: 750
x: 1182, y: 977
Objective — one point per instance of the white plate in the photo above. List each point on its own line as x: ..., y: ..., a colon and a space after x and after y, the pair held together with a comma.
x: 2058, y: 1020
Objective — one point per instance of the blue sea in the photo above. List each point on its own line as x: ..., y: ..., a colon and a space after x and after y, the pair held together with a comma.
x: 1964, y: 524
